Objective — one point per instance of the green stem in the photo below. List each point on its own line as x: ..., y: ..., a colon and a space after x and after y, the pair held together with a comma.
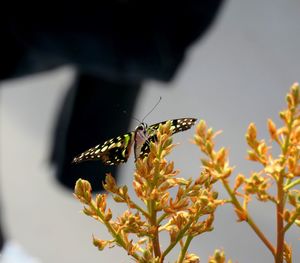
x: 181, y: 235
x: 291, y: 222
x: 281, y: 196
x: 280, y: 226
x: 136, y: 206
x: 291, y: 185
x: 153, y: 219
x: 287, y: 140
x: 285, y: 189
x: 161, y: 218
x: 178, y: 238
x: 184, y: 249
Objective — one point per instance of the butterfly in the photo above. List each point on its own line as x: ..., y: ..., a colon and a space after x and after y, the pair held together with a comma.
x: 117, y: 150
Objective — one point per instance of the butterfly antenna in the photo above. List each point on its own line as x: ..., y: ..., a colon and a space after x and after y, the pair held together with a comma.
x: 136, y: 119
x: 152, y: 109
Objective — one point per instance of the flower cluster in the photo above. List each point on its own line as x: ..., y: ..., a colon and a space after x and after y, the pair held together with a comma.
x: 187, y: 214
x: 190, y: 211
x: 283, y: 171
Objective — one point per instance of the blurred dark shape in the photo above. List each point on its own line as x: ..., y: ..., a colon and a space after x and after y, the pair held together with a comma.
x: 95, y: 116
x: 115, y: 46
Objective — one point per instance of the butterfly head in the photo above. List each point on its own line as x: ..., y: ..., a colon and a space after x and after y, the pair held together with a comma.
x: 141, y: 130
x: 141, y: 133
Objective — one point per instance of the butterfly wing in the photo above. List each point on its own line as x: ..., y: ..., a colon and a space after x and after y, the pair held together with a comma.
x: 111, y: 152
x: 177, y: 125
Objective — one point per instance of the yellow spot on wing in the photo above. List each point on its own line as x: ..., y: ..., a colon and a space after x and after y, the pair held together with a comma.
x: 113, y: 145
x: 104, y: 148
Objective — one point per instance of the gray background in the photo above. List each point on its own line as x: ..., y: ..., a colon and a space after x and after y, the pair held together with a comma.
x: 239, y: 73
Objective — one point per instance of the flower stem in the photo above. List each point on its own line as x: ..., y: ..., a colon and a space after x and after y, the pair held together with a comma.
x: 249, y: 220
x: 178, y: 238
x: 153, y: 221
x: 291, y: 185
x: 184, y: 249
x: 280, y: 226
x: 161, y: 218
x: 281, y: 197
x: 291, y: 222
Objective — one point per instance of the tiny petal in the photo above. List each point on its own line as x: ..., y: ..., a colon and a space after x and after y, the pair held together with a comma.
x: 100, y: 244
x: 239, y: 180
x: 272, y: 130
x: 252, y: 133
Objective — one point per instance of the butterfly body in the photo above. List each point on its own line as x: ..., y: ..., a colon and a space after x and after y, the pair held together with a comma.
x: 117, y: 150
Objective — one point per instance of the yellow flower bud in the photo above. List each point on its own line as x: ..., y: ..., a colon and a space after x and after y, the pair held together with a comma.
x: 101, y: 201
x: 272, y: 130
x: 295, y: 92
x: 100, y: 244
x: 221, y: 156
x: 286, y: 215
x: 290, y: 101
x: 239, y: 180
x: 201, y: 129
x: 251, y: 132
x: 108, y: 215
x: 83, y: 191
x: 252, y: 156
